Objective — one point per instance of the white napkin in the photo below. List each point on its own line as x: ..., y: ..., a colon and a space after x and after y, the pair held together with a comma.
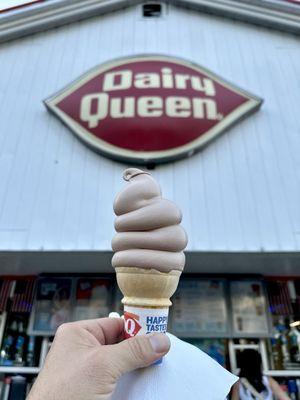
x: 186, y: 373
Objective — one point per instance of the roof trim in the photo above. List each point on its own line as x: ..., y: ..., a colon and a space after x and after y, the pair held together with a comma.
x: 56, y: 13
x: 99, y: 261
x: 271, y: 14
x: 43, y: 16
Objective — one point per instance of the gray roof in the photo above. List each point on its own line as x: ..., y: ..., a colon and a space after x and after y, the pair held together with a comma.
x: 277, y: 14
x: 240, y: 194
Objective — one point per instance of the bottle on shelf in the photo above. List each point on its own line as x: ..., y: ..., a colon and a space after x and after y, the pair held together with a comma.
x: 30, y: 356
x: 20, y: 346
x: 284, y: 331
x: 294, y: 345
x: 276, y: 359
x: 293, y: 389
x: 278, y: 348
x: 7, y: 350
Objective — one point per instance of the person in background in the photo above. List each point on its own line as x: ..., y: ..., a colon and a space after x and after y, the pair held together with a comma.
x: 253, y: 385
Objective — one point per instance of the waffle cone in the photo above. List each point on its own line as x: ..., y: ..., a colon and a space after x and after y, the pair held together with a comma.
x: 147, y: 287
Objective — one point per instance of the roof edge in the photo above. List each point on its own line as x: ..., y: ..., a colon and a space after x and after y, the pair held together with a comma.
x: 51, y: 15
x: 264, y: 13
x: 268, y: 263
x: 60, y: 12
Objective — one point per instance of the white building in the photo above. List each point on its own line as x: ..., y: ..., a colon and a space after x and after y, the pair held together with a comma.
x: 240, y: 195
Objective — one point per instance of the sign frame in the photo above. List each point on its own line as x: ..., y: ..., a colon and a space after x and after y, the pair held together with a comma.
x: 150, y: 157
x: 253, y: 334
x: 205, y: 334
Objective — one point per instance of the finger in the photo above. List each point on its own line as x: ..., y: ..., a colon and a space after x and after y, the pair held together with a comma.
x: 105, y: 330
x: 134, y: 353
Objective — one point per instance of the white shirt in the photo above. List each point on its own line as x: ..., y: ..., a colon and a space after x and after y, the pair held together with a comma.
x: 246, y: 395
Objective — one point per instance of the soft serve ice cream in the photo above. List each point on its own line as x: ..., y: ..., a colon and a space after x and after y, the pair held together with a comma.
x: 149, y: 234
x: 148, y: 249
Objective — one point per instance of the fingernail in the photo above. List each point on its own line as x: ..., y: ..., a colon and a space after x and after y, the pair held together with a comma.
x: 114, y: 315
x: 159, y: 342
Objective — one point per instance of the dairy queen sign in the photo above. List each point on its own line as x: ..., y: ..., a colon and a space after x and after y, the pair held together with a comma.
x: 150, y: 109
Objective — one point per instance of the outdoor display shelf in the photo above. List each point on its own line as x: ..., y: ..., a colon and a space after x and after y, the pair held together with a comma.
x: 283, y: 373
x: 20, y: 370
x: 214, y: 332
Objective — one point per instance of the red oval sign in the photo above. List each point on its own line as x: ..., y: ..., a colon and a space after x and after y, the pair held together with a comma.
x: 150, y: 109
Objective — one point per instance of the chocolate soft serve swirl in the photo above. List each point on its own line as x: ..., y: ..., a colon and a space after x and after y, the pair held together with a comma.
x: 148, y: 232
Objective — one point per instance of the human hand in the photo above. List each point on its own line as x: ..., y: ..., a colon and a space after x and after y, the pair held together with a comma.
x: 87, y: 358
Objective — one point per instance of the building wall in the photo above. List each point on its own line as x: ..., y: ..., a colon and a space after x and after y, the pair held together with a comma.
x: 241, y: 193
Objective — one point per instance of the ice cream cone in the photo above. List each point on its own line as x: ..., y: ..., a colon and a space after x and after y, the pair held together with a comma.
x: 148, y: 250
x: 146, y: 299
x: 147, y: 287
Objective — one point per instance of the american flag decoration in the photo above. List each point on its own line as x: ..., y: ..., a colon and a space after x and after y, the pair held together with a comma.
x: 279, y: 298
x: 297, y: 287
x: 5, y: 290
x: 22, y: 300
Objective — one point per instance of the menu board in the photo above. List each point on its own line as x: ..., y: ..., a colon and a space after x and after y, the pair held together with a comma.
x: 199, y: 309
x: 248, y: 303
x: 52, y: 305
x: 93, y: 298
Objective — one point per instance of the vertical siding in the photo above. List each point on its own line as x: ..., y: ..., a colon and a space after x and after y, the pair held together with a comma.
x: 241, y: 193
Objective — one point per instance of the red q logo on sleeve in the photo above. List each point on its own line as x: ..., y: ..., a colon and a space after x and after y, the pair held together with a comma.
x: 132, y: 326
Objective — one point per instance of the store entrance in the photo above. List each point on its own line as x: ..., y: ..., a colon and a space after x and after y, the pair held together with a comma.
x: 222, y: 315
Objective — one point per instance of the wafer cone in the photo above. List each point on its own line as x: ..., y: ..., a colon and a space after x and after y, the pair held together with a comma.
x: 146, y: 298
x: 147, y: 287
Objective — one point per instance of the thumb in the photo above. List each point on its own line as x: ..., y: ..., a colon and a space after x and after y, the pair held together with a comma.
x: 137, y: 352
